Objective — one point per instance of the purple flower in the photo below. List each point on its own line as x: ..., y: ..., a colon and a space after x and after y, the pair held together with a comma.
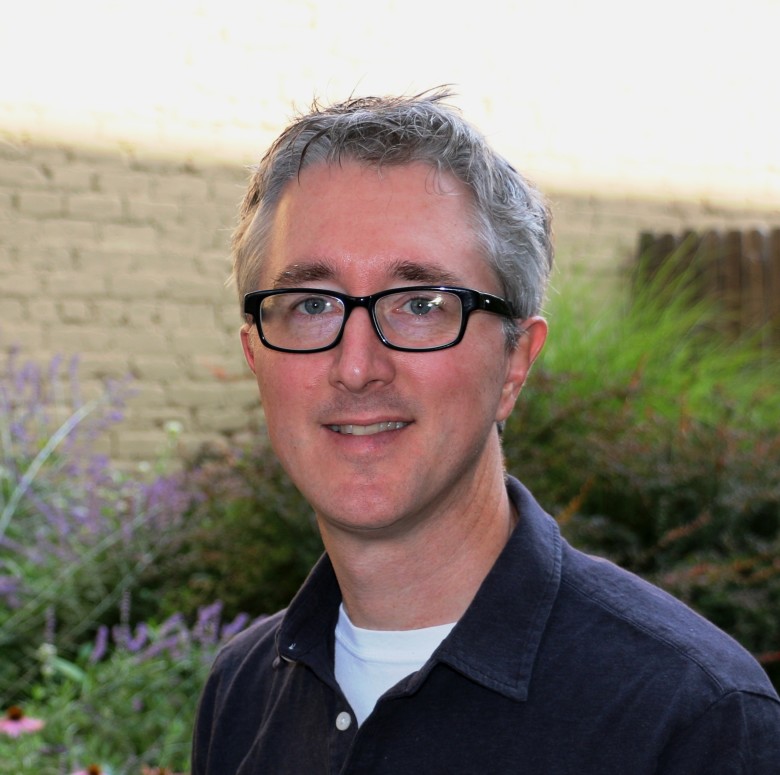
x: 234, y: 627
x: 123, y: 637
x: 206, y: 630
x: 173, y: 645
x: 101, y: 645
x: 140, y: 639
x: 9, y: 589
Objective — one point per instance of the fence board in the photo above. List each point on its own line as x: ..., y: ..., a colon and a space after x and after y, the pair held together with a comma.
x: 740, y: 270
x: 773, y: 285
x: 753, y: 301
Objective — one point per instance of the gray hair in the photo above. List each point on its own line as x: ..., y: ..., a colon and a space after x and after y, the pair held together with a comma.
x: 512, y: 220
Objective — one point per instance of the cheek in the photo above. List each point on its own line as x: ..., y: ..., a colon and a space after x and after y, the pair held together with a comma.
x: 287, y: 389
x: 283, y: 417
x: 467, y: 390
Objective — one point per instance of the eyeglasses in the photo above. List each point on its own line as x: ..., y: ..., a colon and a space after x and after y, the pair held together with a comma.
x: 420, y: 318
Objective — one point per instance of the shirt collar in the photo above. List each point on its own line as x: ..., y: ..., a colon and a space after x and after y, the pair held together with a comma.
x: 497, y: 638
x: 496, y: 641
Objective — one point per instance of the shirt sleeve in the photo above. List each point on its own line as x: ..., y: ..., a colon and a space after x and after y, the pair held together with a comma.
x: 737, y: 735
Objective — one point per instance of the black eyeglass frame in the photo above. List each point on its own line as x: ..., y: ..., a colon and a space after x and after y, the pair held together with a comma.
x: 470, y: 300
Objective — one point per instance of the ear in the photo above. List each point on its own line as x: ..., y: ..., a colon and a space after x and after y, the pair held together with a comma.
x: 248, y: 343
x: 533, y: 333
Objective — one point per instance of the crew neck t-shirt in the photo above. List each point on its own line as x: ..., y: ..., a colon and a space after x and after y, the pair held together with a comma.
x: 369, y: 662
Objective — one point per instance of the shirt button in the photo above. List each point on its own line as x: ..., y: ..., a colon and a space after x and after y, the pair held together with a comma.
x: 343, y: 721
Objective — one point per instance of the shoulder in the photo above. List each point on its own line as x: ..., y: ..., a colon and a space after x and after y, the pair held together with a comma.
x: 658, y: 627
x: 607, y: 625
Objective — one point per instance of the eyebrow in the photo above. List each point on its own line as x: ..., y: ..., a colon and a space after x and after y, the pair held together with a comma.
x: 430, y: 274
x: 301, y: 274
x: 408, y: 271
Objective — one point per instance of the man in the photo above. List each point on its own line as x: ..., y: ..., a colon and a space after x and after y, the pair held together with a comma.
x: 392, y: 269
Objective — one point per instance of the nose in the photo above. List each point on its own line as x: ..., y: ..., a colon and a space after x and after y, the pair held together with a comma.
x: 360, y: 361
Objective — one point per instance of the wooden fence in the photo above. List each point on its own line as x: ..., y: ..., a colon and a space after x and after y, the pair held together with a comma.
x: 738, y: 269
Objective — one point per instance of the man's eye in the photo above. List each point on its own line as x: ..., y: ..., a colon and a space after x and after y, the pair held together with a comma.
x: 313, y: 305
x: 422, y: 306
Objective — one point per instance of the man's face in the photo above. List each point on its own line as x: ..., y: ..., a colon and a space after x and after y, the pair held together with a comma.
x: 360, y: 230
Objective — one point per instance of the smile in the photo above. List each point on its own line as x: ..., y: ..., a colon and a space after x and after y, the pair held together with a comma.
x: 368, y: 430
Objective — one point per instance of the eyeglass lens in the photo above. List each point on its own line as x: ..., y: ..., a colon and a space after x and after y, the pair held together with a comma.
x: 417, y: 319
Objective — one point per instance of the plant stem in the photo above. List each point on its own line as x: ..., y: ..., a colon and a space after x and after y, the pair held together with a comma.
x: 29, y: 475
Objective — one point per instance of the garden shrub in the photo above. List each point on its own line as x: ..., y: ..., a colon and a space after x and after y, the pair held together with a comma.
x: 655, y: 443
x: 250, y: 537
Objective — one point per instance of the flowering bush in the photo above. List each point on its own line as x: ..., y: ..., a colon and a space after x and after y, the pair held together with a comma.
x: 83, y: 688
x: 75, y: 534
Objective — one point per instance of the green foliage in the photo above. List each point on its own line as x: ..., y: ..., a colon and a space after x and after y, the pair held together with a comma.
x: 250, y: 537
x: 655, y: 442
x: 132, y: 709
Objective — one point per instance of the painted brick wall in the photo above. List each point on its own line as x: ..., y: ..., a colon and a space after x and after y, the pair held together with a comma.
x: 121, y: 258
x: 123, y: 261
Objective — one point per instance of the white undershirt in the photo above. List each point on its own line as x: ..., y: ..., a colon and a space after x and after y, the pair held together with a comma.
x: 369, y: 662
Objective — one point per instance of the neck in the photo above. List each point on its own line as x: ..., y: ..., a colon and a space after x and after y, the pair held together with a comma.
x: 427, y: 575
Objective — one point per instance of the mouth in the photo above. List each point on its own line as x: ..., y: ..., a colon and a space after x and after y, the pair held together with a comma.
x: 368, y: 430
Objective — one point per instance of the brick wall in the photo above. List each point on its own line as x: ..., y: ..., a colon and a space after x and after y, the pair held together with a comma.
x: 123, y: 261
x: 121, y: 257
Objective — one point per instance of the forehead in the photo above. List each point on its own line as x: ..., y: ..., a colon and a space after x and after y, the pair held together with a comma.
x: 357, y: 223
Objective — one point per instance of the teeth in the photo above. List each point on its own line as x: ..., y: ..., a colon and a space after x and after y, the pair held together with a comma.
x: 368, y: 430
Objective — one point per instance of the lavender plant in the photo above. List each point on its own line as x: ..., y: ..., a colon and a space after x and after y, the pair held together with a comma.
x: 75, y: 533
x: 85, y: 689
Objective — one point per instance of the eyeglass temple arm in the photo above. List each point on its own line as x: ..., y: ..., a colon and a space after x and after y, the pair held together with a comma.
x: 489, y: 303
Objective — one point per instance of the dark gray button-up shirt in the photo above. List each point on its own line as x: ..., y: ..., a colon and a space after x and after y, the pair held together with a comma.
x: 563, y: 663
